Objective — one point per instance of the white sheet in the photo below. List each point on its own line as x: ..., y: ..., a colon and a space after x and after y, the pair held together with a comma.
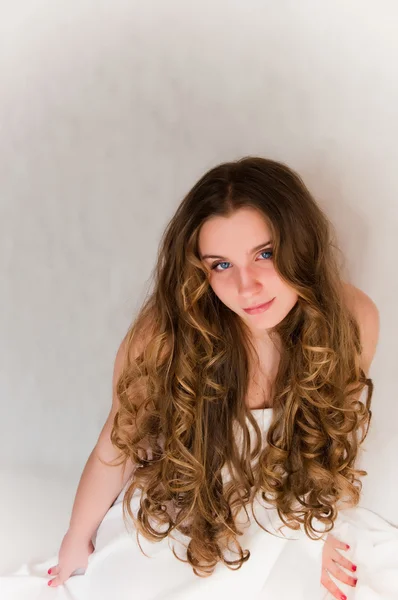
x: 278, y: 568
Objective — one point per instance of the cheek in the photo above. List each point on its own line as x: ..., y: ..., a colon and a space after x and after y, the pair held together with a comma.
x: 223, y: 289
x: 273, y: 283
x: 218, y: 287
x: 283, y: 290
x: 289, y: 296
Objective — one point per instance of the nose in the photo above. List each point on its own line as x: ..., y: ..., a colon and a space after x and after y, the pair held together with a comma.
x: 248, y: 283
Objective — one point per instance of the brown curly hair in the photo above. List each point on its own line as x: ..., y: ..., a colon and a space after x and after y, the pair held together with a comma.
x: 185, y: 378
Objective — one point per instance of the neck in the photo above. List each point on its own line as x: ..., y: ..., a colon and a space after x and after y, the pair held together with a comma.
x: 264, y: 341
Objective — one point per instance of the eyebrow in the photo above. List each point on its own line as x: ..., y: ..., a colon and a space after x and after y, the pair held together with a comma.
x: 251, y: 251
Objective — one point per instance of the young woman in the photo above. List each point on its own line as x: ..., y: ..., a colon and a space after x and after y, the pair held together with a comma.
x: 228, y: 462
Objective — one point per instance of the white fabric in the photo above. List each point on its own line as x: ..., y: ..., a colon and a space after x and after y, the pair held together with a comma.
x: 281, y: 568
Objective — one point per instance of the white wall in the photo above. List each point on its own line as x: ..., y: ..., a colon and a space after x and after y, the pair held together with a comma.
x: 109, y: 112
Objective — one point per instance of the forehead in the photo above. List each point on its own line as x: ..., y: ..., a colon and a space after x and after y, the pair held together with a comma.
x: 244, y: 227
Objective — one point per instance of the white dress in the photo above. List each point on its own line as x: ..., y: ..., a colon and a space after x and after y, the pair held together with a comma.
x: 279, y: 568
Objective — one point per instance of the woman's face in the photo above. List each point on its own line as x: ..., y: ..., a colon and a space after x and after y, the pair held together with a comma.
x: 242, y: 271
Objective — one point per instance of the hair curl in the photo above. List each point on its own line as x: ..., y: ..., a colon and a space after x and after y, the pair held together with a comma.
x: 185, y: 378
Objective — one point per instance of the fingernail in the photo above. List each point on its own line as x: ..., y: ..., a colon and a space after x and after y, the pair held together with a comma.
x: 354, y: 568
x: 347, y: 546
x: 49, y: 571
x: 49, y: 583
x: 343, y: 597
x: 355, y: 581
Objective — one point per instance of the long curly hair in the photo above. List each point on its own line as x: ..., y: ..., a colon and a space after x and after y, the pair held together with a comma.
x: 185, y: 378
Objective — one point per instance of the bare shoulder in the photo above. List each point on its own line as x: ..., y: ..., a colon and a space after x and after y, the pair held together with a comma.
x: 138, y: 337
x: 368, y: 317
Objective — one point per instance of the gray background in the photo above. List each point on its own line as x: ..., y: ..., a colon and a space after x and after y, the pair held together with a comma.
x: 109, y: 113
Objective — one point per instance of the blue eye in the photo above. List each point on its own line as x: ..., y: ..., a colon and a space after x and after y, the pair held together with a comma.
x: 218, y: 264
x: 214, y: 267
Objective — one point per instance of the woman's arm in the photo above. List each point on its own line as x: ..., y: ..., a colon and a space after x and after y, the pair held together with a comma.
x: 367, y: 314
x: 98, y: 487
x: 100, y: 484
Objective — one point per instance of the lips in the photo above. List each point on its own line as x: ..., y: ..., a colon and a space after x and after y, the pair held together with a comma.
x: 259, y: 307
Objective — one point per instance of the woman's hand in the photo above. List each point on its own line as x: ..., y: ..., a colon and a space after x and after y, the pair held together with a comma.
x: 331, y: 558
x: 73, y: 554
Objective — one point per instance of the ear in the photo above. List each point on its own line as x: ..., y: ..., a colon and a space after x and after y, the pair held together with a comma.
x: 368, y: 317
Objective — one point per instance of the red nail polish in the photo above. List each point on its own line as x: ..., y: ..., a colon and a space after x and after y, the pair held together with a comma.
x: 343, y: 597
x: 354, y: 568
x: 355, y: 581
x: 49, y: 583
x: 347, y: 546
x: 49, y: 571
